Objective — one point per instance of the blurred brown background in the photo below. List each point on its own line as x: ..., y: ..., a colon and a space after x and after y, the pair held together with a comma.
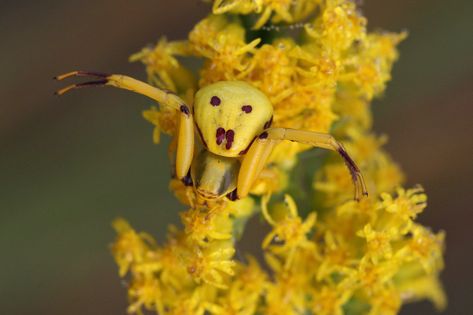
x: 69, y: 165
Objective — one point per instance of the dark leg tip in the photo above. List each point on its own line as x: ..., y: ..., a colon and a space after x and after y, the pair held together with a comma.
x: 187, y: 180
x: 93, y: 74
x: 233, y: 196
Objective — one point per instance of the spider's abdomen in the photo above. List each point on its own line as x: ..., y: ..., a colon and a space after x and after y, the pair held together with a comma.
x: 214, y: 176
x: 229, y: 115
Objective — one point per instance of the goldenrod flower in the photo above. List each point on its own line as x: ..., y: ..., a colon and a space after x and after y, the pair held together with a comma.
x: 378, y: 243
x: 289, y: 233
x: 211, y: 264
x: 222, y: 43
x: 284, y: 10
x: 341, y: 256
x: 244, y: 294
x: 204, y: 226
x: 162, y: 66
x: 329, y: 300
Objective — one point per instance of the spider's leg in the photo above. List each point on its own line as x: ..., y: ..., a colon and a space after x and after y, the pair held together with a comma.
x: 325, y: 141
x: 185, y: 135
x: 185, y: 143
x: 253, y: 163
x: 163, y: 97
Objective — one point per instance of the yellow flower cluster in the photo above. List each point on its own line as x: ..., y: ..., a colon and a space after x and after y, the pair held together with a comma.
x: 341, y: 256
x: 369, y: 254
x: 288, y: 11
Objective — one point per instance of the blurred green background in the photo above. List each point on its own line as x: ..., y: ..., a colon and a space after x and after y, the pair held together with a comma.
x: 70, y: 165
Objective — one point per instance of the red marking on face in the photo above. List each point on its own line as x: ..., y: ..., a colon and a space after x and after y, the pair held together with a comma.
x: 247, y: 108
x: 215, y: 101
x: 220, y: 135
x: 229, y: 135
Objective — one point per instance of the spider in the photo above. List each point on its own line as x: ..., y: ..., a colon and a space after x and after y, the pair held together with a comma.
x: 233, y: 120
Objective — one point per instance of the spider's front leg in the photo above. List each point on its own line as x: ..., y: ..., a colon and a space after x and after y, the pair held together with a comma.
x: 258, y: 154
x: 185, y: 135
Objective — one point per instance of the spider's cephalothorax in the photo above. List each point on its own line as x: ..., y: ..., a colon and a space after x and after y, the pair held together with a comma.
x: 229, y: 115
x: 233, y: 120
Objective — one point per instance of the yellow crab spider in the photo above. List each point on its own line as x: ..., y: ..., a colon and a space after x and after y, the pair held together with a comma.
x: 232, y: 119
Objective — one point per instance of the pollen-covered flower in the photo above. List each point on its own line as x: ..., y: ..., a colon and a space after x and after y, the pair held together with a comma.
x: 130, y: 247
x: 162, y: 66
x: 211, y: 264
x: 221, y: 42
x: 204, y: 225
x: 404, y: 208
x: 245, y: 292
x: 378, y: 243
x: 323, y: 253
x: 289, y: 232
x: 277, y: 10
x: 329, y: 300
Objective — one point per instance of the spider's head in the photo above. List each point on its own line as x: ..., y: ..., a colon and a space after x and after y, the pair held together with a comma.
x: 229, y: 115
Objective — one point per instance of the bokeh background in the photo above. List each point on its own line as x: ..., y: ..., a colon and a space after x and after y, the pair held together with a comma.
x: 69, y: 165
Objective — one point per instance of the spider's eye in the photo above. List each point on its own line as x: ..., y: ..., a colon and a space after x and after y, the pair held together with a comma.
x: 215, y: 101
x: 247, y: 108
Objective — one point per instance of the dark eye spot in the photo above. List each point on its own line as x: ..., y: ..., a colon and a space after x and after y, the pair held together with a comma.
x: 229, y: 136
x: 220, y: 135
x: 247, y: 108
x: 215, y: 101
x: 264, y: 135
